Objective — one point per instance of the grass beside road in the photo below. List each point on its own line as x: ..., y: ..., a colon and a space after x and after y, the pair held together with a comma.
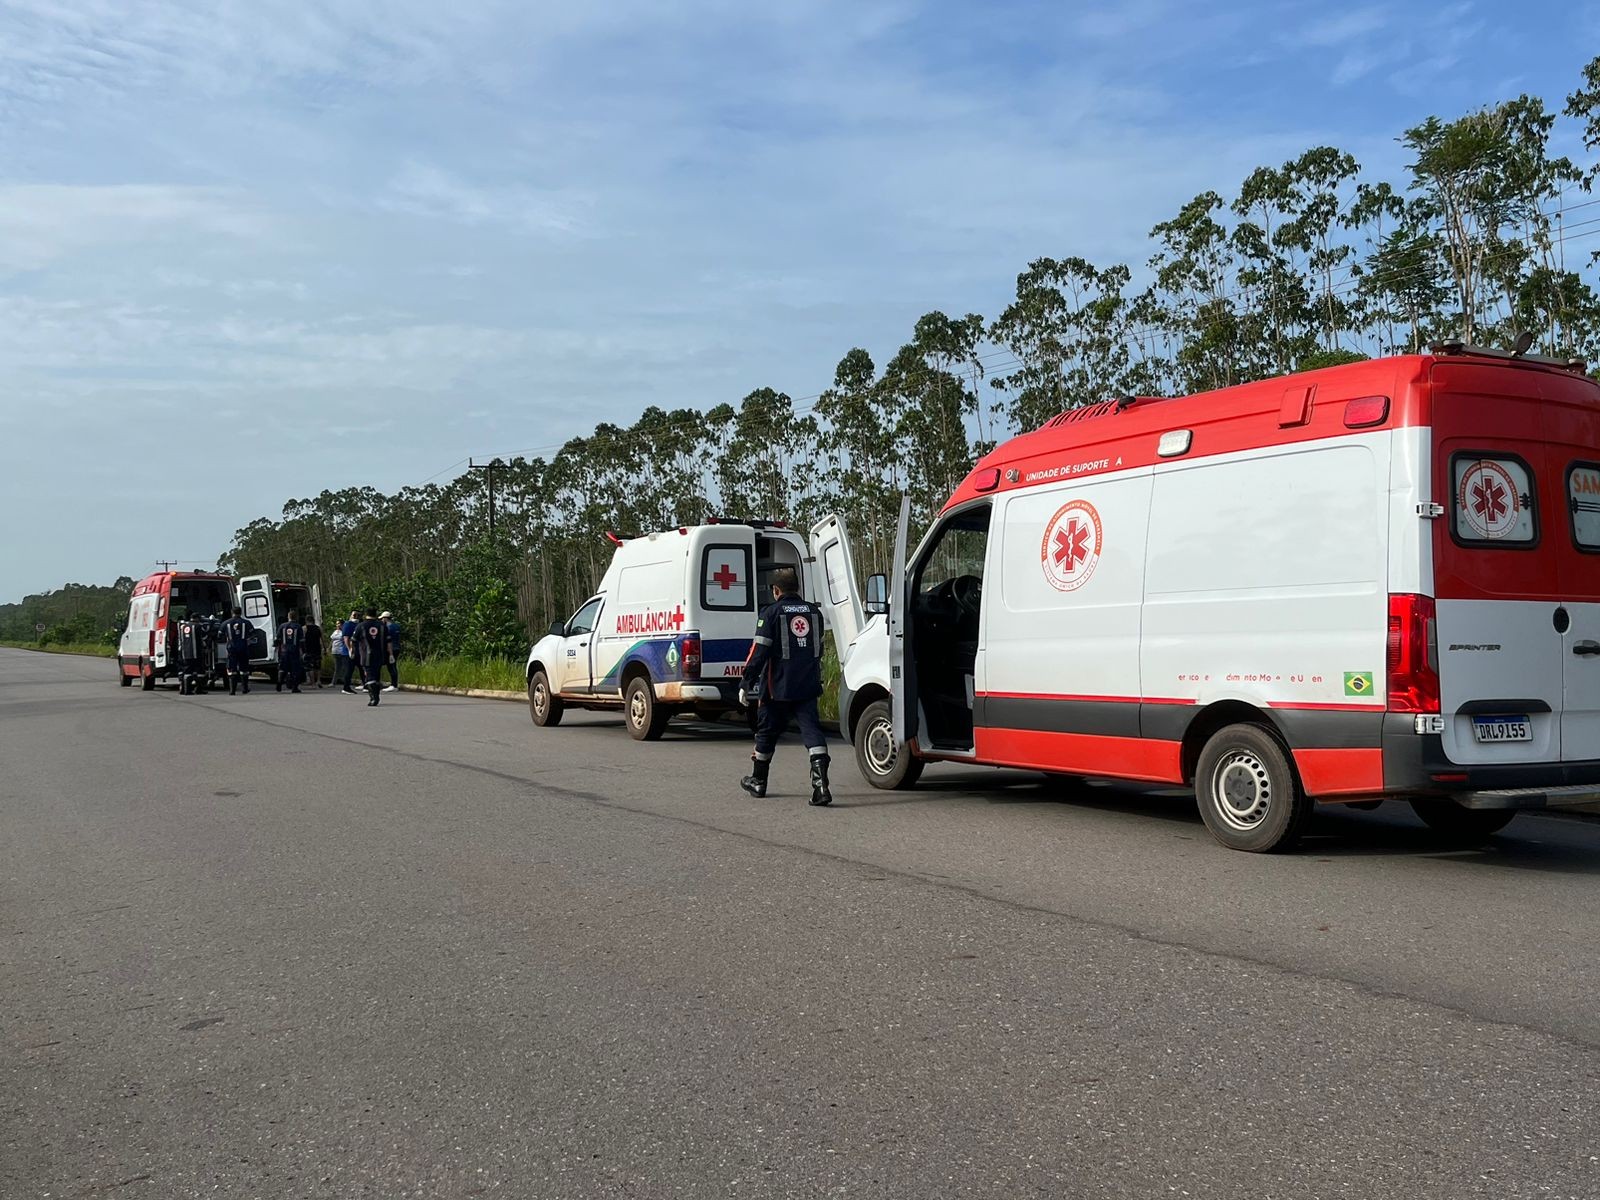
x: 493, y: 674
x: 93, y: 648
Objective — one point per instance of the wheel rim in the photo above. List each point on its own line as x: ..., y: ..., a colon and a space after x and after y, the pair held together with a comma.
x: 1241, y: 789
x: 636, y: 706
x: 541, y: 699
x: 878, y: 746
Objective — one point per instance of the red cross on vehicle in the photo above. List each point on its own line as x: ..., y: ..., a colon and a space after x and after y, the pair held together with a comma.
x: 725, y: 576
x: 1072, y: 545
x: 676, y: 619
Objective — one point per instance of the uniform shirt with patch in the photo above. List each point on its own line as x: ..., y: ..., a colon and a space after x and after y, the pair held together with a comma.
x: 785, y: 660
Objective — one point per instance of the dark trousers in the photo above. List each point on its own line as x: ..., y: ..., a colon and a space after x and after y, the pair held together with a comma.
x: 773, y: 718
x: 291, y: 670
x: 372, y: 677
x: 341, y: 670
x: 239, y: 663
x: 394, y: 672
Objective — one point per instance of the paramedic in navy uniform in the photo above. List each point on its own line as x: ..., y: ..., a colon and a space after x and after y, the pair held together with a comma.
x: 372, y: 648
x: 784, y: 672
x: 291, y: 640
x: 236, y: 633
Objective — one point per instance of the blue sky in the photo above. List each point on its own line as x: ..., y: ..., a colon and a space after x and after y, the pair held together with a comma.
x: 342, y: 242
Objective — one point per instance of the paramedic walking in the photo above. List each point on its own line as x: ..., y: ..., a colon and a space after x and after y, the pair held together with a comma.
x: 236, y: 633
x: 344, y: 665
x: 291, y: 661
x: 784, y: 673
x: 372, y: 648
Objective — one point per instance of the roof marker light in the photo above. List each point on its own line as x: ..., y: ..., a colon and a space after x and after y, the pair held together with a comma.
x: 1174, y: 442
x: 1369, y: 410
x: 986, y: 480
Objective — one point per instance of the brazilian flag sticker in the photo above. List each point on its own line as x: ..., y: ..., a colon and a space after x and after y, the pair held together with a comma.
x: 1358, y: 683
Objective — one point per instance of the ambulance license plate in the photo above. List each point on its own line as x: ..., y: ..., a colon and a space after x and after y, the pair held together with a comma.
x: 1502, y: 729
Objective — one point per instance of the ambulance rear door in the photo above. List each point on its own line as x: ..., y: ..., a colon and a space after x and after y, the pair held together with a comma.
x: 1497, y: 587
x: 901, y: 686
x: 722, y: 598
x: 833, y: 582
x: 316, y: 604
x: 255, y: 600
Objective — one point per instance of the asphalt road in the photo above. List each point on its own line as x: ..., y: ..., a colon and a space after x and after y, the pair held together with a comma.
x: 292, y: 946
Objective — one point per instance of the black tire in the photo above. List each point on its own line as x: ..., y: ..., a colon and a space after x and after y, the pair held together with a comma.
x: 1248, y: 792
x: 272, y: 675
x: 147, y: 679
x: 882, y: 763
x: 544, y: 706
x: 123, y: 678
x: 1446, y: 816
x: 645, y: 718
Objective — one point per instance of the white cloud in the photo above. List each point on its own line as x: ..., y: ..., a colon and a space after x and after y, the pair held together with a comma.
x: 42, y: 222
x: 426, y: 191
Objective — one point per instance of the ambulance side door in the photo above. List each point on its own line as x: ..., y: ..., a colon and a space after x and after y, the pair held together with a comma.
x: 577, y: 648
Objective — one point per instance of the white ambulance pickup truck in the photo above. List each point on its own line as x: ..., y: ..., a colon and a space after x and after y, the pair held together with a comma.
x: 1371, y: 581
x: 669, y: 628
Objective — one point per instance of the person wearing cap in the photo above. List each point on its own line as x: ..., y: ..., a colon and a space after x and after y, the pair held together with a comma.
x: 392, y: 628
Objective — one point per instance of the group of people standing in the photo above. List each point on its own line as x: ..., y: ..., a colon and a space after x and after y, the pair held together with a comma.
x: 372, y: 642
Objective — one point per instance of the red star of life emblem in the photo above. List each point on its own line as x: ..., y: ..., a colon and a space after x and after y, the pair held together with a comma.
x: 1489, y: 501
x: 1072, y: 545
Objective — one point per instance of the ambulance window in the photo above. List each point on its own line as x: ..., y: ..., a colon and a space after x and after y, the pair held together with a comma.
x: 725, y: 571
x: 1583, y: 499
x: 1493, y: 501
x: 583, y: 620
x: 255, y: 606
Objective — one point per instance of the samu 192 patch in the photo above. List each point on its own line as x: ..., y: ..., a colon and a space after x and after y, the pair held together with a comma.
x: 1358, y: 683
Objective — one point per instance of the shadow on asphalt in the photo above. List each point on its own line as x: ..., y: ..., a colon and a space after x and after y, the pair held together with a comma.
x: 1529, y: 843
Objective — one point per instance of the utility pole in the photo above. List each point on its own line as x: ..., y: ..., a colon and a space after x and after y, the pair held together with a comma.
x: 166, y: 564
x: 488, y: 468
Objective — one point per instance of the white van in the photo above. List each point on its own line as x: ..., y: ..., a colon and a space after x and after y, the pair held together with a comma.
x: 669, y: 628
x: 1370, y: 581
x: 266, y: 604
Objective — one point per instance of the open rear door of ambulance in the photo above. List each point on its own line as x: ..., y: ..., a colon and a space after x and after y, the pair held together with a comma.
x: 316, y: 604
x: 1499, y: 645
x: 833, y: 583
x: 255, y: 601
x: 902, y: 684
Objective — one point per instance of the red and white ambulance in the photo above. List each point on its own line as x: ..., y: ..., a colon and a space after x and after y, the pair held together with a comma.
x: 147, y: 649
x: 1370, y: 581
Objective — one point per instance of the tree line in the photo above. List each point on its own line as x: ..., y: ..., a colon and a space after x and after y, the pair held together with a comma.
x: 1304, y: 264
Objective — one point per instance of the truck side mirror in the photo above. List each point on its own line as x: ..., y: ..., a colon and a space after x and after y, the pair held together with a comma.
x: 877, y: 599
x: 557, y: 629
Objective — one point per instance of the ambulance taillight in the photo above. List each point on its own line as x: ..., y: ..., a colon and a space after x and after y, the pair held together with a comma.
x: 1413, y: 654
x: 689, y: 649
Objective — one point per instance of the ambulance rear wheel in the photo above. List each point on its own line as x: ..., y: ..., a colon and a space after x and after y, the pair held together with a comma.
x: 123, y: 678
x: 147, y: 679
x: 1446, y: 816
x: 646, y: 718
x: 880, y: 761
x: 543, y: 705
x: 1249, y: 795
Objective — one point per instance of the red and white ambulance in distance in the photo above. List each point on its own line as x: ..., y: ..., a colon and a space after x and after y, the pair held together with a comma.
x: 1369, y: 581
x: 147, y: 649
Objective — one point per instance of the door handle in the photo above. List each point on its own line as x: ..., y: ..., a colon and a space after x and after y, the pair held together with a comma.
x: 1586, y: 649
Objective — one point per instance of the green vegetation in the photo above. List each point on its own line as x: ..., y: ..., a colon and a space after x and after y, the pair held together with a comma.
x: 492, y: 674
x: 97, y: 649
x: 76, y: 614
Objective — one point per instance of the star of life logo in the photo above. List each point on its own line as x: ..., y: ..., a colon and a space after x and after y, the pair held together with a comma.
x: 1071, y: 547
x: 1487, y: 500
x: 800, y: 627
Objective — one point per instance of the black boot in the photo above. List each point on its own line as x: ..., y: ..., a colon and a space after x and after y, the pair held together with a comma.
x: 756, y: 782
x: 233, y: 684
x: 246, y: 681
x: 820, y: 794
x: 373, y: 688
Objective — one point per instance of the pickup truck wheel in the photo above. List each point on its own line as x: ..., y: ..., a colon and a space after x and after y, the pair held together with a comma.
x: 1448, y: 817
x: 123, y: 678
x: 646, y: 719
x: 1249, y: 795
x: 882, y: 763
x: 543, y: 705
